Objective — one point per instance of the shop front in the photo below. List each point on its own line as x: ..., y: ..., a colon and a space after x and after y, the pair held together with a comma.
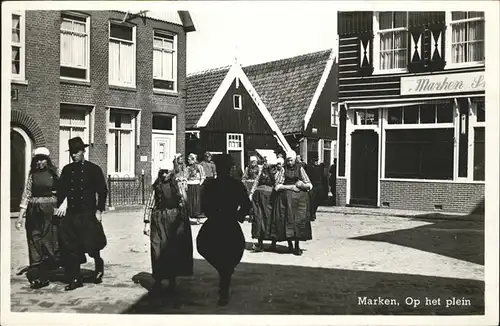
x: 421, y: 150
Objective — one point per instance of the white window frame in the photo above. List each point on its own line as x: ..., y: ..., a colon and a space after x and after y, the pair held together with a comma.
x: 22, y: 47
x: 376, y: 46
x: 322, y: 151
x: 448, y: 44
x: 87, y: 54
x: 135, y: 132
x: 87, y: 130
x: 334, y: 114
x: 473, y: 123
x: 418, y: 125
x: 237, y: 99
x: 174, y: 51
x: 134, y: 51
x: 240, y: 139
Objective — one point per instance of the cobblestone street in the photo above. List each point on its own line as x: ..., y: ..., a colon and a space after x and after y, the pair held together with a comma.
x: 354, y: 254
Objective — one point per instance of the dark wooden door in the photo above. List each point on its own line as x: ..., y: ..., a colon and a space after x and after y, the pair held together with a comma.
x: 17, y: 169
x: 364, y: 168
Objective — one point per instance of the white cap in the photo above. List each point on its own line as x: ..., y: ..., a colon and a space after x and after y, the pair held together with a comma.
x: 41, y: 151
x: 280, y: 160
x: 291, y: 154
x: 253, y: 158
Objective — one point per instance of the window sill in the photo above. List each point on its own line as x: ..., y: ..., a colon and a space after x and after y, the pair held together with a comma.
x: 477, y: 64
x: 19, y: 81
x: 164, y: 92
x: 391, y: 71
x: 75, y: 82
x: 124, y: 88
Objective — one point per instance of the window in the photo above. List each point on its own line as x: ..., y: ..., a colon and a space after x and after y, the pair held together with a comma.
x: 421, y: 114
x: 72, y: 123
x: 334, y: 112
x: 312, y: 148
x: 237, y: 102
x: 467, y: 37
x: 392, y: 40
x: 162, y: 122
x: 419, y: 154
x: 366, y: 117
x: 479, y: 153
x: 121, y: 55
x: 327, y: 152
x: 234, y: 141
x: 17, y: 46
x: 121, y: 143
x: 480, y: 114
x: 75, y: 46
x: 164, y: 61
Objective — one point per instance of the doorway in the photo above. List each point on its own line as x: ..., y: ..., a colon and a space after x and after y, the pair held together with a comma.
x: 162, y: 153
x: 20, y: 156
x: 364, y: 168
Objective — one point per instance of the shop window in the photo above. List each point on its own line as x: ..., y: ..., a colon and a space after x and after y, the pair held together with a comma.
x: 480, y: 115
x: 419, y: 154
x: 421, y: 114
x: 479, y: 153
x: 366, y: 117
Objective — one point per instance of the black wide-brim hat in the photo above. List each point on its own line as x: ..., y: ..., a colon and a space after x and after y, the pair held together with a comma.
x: 76, y: 144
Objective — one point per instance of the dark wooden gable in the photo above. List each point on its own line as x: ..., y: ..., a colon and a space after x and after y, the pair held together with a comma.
x: 247, y: 120
x: 321, y: 116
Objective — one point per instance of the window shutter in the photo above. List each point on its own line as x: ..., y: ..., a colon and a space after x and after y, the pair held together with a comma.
x: 416, y: 49
x: 436, y: 46
x: 365, y: 58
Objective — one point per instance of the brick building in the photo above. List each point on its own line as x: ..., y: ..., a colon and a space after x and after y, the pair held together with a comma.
x: 116, y: 79
x: 412, y: 110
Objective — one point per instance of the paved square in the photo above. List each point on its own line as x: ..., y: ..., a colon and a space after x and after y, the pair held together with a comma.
x: 358, y: 263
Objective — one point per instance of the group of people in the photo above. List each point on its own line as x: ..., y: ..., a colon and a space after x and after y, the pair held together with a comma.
x: 62, y: 214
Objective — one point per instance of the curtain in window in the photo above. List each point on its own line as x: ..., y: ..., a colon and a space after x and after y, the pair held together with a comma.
x: 476, y: 38
x: 126, y: 153
x: 157, y: 66
x: 111, y: 151
x: 468, y: 42
x: 121, y: 62
x: 73, y: 44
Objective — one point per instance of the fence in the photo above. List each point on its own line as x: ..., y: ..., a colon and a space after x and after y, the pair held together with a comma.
x: 123, y: 191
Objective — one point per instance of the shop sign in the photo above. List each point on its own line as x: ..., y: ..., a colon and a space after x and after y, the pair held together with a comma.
x: 446, y: 83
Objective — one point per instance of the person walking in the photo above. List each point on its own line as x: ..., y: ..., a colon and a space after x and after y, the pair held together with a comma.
x: 291, y: 209
x: 262, y: 196
x: 166, y: 222
x: 81, y: 230
x: 220, y: 240
x: 195, y: 177
x: 332, y: 181
x: 37, y: 208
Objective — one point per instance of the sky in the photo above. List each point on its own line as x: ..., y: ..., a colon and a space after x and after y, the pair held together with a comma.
x: 257, y: 33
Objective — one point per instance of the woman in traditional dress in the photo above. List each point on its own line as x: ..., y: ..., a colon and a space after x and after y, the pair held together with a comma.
x: 195, y: 178
x: 251, y: 173
x: 168, y: 227
x: 291, y: 209
x: 220, y: 241
x: 262, y: 196
x: 38, y: 207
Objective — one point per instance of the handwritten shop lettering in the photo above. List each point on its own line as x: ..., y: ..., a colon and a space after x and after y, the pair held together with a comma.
x: 465, y: 82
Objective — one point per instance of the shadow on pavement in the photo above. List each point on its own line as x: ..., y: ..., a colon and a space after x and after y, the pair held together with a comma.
x: 460, y: 237
x: 280, y: 289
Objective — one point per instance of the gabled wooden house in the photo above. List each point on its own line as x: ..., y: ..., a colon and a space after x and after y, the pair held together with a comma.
x: 225, y: 114
x: 301, y: 95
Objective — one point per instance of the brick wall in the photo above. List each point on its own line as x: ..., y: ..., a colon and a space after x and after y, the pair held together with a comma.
x: 38, y: 101
x: 41, y: 97
x: 341, y: 189
x: 454, y: 197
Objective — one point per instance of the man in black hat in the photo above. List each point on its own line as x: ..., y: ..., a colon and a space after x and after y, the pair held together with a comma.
x: 81, y: 229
